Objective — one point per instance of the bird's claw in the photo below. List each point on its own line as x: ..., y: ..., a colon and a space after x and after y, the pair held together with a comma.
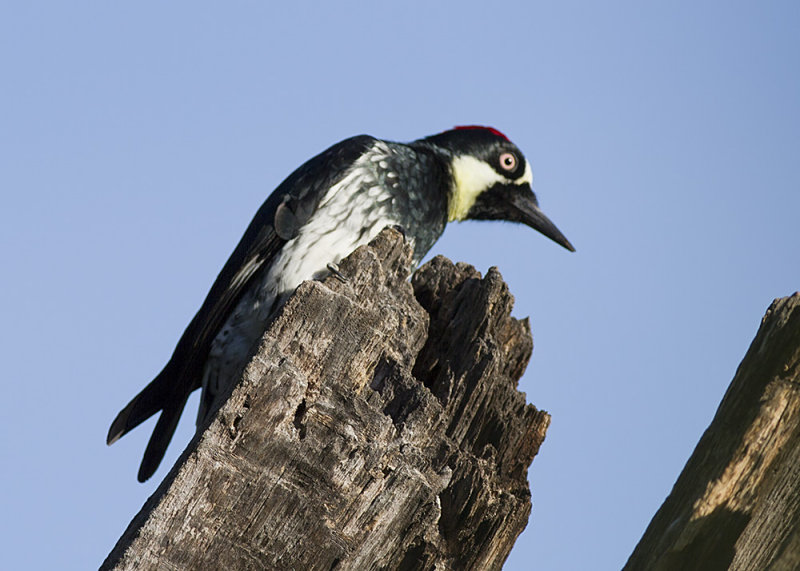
x: 334, y: 269
x: 401, y: 230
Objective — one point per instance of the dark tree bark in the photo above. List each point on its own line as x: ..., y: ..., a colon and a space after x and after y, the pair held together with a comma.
x: 736, y: 505
x: 378, y: 426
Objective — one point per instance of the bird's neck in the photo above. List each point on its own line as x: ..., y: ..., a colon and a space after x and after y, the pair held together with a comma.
x: 424, y: 193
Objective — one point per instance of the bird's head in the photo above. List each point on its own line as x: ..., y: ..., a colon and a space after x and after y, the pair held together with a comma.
x: 491, y: 180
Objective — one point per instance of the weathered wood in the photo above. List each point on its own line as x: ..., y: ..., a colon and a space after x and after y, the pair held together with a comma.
x: 735, y: 505
x: 356, y: 439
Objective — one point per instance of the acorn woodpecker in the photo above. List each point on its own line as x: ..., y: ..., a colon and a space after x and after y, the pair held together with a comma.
x: 335, y: 202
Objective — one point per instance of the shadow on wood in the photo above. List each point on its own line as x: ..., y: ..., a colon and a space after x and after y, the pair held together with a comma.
x: 356, y: 439
x: 735, y: 505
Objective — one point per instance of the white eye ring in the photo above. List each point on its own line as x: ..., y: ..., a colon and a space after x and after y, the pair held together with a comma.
x: 508, y: 161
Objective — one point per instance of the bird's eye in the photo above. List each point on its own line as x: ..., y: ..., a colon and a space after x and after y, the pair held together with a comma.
x: 508, y: 161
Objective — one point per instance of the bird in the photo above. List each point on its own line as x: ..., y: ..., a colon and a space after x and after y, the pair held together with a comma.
x: 336, y: 201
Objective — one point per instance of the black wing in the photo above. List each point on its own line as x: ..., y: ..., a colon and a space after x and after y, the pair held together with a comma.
x: 278, y: 220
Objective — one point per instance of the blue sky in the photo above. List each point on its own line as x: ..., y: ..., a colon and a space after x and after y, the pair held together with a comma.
x: 138, y: 139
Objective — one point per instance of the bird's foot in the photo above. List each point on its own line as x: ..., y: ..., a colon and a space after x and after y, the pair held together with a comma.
x: 334, y: 269
x: 401, y: 230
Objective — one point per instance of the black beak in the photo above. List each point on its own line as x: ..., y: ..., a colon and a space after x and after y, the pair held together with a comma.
x: 528, y: 213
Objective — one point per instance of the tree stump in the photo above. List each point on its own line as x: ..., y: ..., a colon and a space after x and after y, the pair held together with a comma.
x: 378, y: 426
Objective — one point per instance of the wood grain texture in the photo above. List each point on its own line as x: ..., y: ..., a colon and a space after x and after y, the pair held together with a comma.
x: 378, y: 426
x: 735, y: 505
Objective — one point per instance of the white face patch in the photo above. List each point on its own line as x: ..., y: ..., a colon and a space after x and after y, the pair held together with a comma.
x: 527, y: 176
x: 471, y: 177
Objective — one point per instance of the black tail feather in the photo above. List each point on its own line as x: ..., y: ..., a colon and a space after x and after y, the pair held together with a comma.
x: 159, y: 440
x: 159, y: 396
x: 144, y: 405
